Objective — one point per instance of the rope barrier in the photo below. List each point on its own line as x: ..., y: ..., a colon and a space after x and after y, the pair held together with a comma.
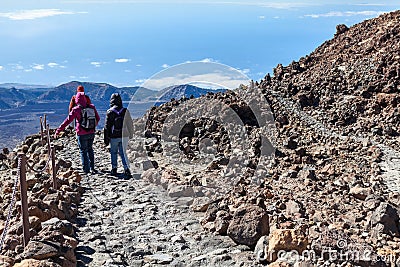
x: 22, y: 164
x: 38, y: 171
x: 11, y: 207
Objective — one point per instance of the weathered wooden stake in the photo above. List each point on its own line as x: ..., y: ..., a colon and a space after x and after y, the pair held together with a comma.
x: 24, y: 198
x: 45, y: 120
x: 53, y: 166
x: 48, y: 139
x: 41, y: 129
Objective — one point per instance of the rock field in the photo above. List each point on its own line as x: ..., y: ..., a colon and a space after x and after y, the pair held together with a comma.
x: 318, y: 185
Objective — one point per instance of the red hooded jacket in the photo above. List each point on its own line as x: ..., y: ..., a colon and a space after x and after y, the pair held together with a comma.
x: 76, y: 114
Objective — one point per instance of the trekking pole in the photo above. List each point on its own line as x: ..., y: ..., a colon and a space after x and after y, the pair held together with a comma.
x: 53, y: 166
x: 24, y: 197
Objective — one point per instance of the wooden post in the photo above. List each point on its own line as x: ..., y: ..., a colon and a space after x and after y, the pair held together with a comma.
x: 41, y: 129
x: 45, y: 120
x: 53, y: 166
x: 24, y: 198
x: 48, y: 139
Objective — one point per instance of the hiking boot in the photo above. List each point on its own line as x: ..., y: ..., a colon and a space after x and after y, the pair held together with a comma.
x: 114, y: 171
x: 128, y: 174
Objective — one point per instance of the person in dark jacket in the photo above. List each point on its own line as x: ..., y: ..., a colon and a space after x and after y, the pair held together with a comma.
x: 118, y: 129
x: 85, y: 137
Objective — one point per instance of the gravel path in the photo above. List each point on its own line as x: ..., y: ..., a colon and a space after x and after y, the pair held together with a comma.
x: 390, y: 164
x: 135, y: 223
x: 390, y: 160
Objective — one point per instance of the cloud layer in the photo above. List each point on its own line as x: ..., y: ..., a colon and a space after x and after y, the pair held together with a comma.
x: 346, y: 14
x: 35, y: 14
x: 122, y: 60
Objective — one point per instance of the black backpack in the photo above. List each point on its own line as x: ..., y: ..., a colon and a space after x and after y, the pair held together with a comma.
x: 118, y: 121
x: 88, y: 118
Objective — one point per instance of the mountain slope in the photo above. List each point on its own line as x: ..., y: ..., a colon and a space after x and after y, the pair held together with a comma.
x: 16, y: 97
x: 353, y: 80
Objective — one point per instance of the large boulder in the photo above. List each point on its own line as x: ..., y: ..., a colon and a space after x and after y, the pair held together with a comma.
x: 36, y: 263
x: 39, y: 250
x: 249, y: 224
x: 385, y: 219
x: 6, y: 261
x: 286, y: 240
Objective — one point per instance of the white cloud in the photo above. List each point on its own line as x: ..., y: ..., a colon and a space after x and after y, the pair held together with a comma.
x: 16, y: 66
x: 217, y: 80
x: 1, y: 67
x: 261, y: 17
x: 259, y: 3
x: 370, y: 4
x: 52, y: 65
x: 96, y: 63
x: 346, y: 14
x: 36, y: 14
x: 276, y: 17
x: 140, y: 81
x: 283, y: 5
x: 38, y: 66
x: 164, y: 66
x: 128, y: 71
x: 122, y: 60
x: 245, y: 71
x: 208, y: 60
x: 55, y: 65
x: 28, y: 70
x: 138, y: 65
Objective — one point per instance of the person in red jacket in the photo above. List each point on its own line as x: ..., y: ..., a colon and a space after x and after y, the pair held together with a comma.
x: 72, y: 103
x: 85, y: 136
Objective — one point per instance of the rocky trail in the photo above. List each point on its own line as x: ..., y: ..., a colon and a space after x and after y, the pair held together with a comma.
x: 319, y: 171
x: 135, y: 223
x: 391, y: 168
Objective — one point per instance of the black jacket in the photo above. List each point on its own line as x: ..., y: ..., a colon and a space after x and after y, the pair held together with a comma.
x: 127, y: 130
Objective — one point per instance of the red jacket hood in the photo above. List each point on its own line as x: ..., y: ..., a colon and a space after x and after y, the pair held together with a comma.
x: 81, y: 99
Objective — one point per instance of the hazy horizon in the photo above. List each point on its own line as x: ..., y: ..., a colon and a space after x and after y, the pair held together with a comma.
x: 124, y: 43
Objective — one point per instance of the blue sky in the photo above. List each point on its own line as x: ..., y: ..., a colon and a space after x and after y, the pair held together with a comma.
x: 126, y: 42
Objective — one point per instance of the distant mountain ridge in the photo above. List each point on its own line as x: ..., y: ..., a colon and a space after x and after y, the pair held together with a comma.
x: 184, y: 90
x: 30, y: 95
x: 96, y: 91
x: 24, y: 86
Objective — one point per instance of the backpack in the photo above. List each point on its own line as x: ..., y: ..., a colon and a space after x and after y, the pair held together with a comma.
x: 118, y: 121
x: 88, y: 118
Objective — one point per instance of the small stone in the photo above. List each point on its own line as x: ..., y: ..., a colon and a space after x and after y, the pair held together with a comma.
x: 180, y: 190
x: 178, y: 239
x: 158, y: 258
x: 359, y: 192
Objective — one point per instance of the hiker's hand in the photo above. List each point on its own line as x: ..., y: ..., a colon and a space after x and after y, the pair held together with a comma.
x: 55, y: 135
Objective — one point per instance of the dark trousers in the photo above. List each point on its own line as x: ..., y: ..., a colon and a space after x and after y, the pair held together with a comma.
x: 85, y: 143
